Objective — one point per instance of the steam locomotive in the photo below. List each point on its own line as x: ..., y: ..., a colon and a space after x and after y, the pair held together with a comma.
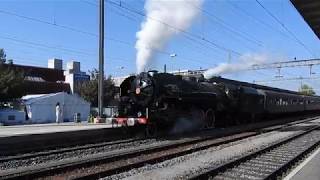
x: 162, y: 100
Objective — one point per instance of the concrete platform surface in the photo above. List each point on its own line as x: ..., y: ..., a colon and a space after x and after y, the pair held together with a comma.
x: 309, y: 169
x: 21, y: 130
x: 38, y: 137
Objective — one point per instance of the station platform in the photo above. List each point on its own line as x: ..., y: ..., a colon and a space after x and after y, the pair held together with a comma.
x: 308, y: 169
x: 36, y: 137
x: 23, y: 130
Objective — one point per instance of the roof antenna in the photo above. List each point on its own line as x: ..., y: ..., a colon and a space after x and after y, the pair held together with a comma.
x: 54, y: 13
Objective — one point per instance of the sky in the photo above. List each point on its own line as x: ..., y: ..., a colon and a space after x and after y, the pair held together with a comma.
x: 33, y: 31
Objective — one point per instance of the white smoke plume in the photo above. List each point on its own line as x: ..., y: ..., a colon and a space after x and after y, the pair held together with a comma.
x: 245, y: 62
x: 157, y: 29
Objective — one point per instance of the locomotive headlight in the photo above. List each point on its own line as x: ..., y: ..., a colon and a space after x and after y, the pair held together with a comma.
x: 138, y: 90
x: 139, y: 114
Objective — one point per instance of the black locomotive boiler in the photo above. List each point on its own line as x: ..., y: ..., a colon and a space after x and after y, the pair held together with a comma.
x: 162, y: 100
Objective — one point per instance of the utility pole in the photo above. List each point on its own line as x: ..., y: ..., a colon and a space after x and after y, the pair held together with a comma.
x: 101, y: 57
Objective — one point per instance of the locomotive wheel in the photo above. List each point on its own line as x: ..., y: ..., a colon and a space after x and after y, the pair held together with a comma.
x: 210, y: 118
x: 198, y: 115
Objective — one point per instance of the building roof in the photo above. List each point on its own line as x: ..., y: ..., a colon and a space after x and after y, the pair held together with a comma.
x: 63, y: 97
x: 47, y: 74
x: 310, y: 11
x: 36, y: 97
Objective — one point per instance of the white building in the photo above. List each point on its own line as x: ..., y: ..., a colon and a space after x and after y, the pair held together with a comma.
x: 12, y: 117
x: 42, y: 108
x: 73, y: 74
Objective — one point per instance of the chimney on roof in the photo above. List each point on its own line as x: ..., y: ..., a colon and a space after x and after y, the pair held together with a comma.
x: 55, y: 63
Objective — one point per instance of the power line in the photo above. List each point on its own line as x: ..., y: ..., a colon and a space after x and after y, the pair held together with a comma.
x: 187, y: 34
x: 132, y: 19
x: 46, y: 46
x: 186, y: 37
x: 47, y: 22
x: 74, y: 30
x: 71, y: 29
x: 87, y: 54
x: 89, y: 2
x: 122, y: 14
x: 128, y: 17
x: 226, y: 26
x: 284, y: 27
x: 159, y: 51
x: 288, y: 79
x: 256, y: 19
x: 285, y: 64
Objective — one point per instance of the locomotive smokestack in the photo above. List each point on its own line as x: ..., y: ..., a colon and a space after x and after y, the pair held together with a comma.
x: 165, y: 68
x: 164, y: 19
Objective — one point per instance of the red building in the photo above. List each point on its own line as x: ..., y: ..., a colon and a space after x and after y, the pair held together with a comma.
x: 39, y: 80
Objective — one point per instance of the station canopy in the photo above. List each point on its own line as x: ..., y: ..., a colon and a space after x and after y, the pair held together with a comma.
x: 310, y: 11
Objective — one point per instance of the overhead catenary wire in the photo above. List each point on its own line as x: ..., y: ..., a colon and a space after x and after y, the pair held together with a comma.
x: 135, y: 15
x: 156, y: 50
x: 285, y: 28
x: 257, y: 19
x: 74, y: 30
x: 46, y: 46
x: 195, y: 43
x: 83, y: 53
x: 186, y: 34
x: 226, y: 26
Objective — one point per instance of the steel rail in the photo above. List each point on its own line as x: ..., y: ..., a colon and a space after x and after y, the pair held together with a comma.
x: 63, y: 166
x: 54, y: 168
x: 214, y: 171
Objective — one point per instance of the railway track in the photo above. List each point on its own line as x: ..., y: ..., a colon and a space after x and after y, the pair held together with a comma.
x: 108, y: 163
x: 65, y: 150
x: 268, y: 163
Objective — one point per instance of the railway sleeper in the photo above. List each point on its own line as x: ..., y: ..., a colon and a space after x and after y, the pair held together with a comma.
x: 251, y: 165
x: 242, y: 171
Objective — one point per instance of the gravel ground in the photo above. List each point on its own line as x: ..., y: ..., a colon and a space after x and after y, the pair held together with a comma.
x: 184, y: 166
x: 315, y: 121
x: 73, y: 154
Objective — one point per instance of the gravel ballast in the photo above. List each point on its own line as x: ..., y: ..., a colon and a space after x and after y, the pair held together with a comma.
x: 72, y: 154
x: 185, y: 166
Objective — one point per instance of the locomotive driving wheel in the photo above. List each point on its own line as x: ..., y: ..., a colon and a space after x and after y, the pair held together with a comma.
x: 210, y: 118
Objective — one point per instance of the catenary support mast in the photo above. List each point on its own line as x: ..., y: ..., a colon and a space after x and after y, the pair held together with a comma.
x: 101, y: 57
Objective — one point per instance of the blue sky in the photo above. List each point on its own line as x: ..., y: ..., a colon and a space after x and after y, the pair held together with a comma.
x: 33, y: 31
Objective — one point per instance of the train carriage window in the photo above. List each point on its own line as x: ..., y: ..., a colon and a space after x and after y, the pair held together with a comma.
x: 295, y: 102
x: 301, y: 101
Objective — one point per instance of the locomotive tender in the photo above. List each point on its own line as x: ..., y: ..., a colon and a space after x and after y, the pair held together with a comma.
x: 161, y: 100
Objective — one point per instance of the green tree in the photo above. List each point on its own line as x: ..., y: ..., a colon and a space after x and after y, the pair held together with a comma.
x: 89, y: 89
x: 2, y: 56
x: 306, y: 90
x: 11, y: 82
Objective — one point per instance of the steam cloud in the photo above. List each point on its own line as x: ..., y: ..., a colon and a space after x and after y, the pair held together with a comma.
x: 245, y: 62
x: 156, y: 30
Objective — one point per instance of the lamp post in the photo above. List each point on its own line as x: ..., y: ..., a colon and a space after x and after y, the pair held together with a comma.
x: 165, y: 66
